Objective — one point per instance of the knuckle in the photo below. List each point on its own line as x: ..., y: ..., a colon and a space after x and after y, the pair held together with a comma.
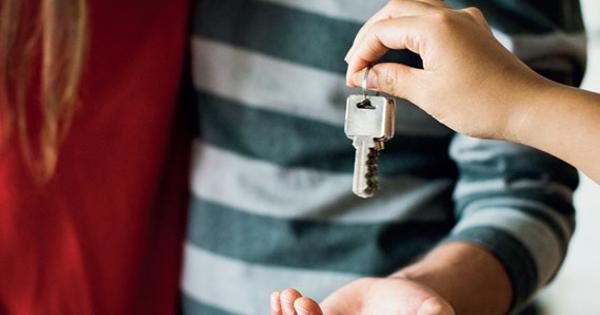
x: 442, y: 22
x: 443, y: 16
x: 373, y: 42
x: 290, y: 294
x: 473, y: 12
x: 387, y: 79
x: 371, y: 48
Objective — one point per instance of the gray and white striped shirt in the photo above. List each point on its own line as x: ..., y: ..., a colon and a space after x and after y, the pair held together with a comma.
x: 271, y: 202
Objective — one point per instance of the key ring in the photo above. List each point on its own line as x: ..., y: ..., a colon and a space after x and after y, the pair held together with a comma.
x: 364, y: 81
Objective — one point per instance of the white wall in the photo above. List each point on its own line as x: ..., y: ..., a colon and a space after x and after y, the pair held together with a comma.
x: 576, y: 291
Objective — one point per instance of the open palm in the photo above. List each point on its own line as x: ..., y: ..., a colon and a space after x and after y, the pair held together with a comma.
x: 368, y: 296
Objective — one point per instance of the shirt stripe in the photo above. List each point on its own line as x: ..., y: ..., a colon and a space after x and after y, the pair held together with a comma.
x: 216, y: 280
x: 332, y: 246
x: 528, y: 16
x: 299, y: 142
x: 542, y: 244
x: 482, y: 160
x: 288, y: 88
x: 562, y: 225
x: 193, y: 305
x: 226, y: 178
x: 495, y: 185
x: 303, y: 40
x: 358, y: 12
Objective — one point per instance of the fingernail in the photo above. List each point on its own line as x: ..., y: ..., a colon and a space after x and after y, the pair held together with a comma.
x: 358, y: 77
x: 349, y: 78
x: 288, y: 309
x: 301, y: 311
x: 275, y: 308
x: 347, y: 57
x: 372, y: 81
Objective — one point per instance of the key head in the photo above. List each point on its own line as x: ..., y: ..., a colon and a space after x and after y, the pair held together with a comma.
x: 373, y: 117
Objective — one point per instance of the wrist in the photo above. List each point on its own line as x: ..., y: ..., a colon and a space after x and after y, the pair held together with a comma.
x: 527, y: 109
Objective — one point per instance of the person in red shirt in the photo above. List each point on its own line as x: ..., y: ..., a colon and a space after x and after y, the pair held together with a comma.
x: 91, y: 222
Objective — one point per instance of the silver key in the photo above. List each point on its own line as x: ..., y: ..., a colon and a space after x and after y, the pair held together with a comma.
x: 369, y: 123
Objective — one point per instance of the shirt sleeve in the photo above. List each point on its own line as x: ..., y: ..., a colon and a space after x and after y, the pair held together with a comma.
x: 549, y: 36
x: 517, y: 203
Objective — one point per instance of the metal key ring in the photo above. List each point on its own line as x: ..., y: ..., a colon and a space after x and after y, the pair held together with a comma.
x: 364, y: 81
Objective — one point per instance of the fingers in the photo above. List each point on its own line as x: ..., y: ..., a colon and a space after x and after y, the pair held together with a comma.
x: 399, y: 33
x: 391, y: 78
x: 395, y: 9
x: 288, y: 297
x: 291, y: 302
x: 407, y: 24
x: 276, y: 303
x: 307, y: 306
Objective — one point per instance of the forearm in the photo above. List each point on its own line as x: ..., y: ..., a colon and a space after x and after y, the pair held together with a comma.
x: 564, y: 122
x: 469, y: 277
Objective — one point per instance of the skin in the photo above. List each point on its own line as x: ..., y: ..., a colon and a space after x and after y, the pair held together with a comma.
x: 455, y: 278
x: 472, y: 84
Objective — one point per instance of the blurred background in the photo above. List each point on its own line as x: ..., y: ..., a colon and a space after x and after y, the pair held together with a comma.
x: 576, y: 290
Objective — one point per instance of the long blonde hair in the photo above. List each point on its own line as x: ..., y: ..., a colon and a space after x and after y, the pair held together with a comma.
x: 55, y: 32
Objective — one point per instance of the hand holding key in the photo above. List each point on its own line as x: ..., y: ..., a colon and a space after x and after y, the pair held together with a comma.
x: 470, y: 82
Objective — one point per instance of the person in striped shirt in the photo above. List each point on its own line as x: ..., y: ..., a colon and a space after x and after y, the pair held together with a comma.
x: 481, y: 224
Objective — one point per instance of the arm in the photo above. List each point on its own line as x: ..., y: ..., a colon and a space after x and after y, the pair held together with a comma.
x: 500, y: 96
x: 564, y: 122
x: 512, y: 201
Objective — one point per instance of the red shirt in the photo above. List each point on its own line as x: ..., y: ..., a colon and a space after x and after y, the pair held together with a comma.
x: 105, y: 235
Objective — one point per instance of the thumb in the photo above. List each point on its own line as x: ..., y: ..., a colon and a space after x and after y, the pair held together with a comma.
x: 391, y: 78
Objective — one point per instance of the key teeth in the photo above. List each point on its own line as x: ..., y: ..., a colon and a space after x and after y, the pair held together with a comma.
x: 372, y: 171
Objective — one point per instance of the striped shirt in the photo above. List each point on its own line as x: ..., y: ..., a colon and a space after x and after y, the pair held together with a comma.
x: 271, y: 203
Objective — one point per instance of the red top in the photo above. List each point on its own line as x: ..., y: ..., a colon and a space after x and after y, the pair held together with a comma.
x: 105, y: 235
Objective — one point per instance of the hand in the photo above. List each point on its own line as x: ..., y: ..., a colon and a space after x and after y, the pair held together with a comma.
x: 453, y: 278
x: 470, y: 82
x: 381, y: 296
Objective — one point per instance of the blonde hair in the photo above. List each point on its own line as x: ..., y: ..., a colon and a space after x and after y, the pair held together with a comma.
x: 55, y: 32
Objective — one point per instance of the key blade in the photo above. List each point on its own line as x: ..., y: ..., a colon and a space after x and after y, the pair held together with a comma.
x: 364, y: 182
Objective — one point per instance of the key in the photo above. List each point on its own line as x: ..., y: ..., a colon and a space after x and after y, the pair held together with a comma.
x: 369, y: 123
